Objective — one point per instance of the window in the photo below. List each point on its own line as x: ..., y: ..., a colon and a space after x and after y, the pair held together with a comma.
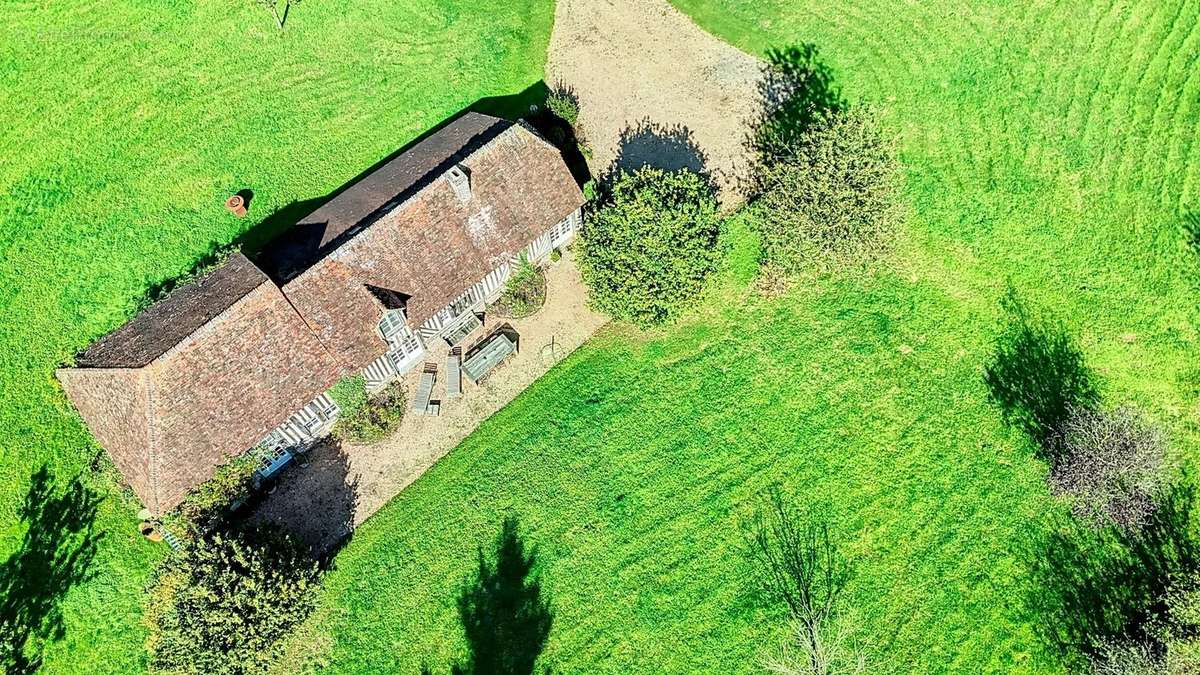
x: 560, y: 231
x: 392, y: 323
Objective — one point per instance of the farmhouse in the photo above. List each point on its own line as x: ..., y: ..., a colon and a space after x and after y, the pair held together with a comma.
x: 240, y: 359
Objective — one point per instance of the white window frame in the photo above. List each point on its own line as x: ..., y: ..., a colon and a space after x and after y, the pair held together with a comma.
x: 393, y: 322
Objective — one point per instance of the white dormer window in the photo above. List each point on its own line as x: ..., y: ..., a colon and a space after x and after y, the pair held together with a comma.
x: 460, y: 182
x: 392, y: 323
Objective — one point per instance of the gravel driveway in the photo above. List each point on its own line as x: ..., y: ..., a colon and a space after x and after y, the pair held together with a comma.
x: 654, y: 88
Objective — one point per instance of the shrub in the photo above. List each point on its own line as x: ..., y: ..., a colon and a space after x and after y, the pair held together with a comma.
x: 350, y: 395
x: 833, y: 198
x: 555, y: 255
x: 363, y: 418
x: 221, y: 604
x: 650, y: 246
x: 1110, y: 463
x: 207, y: 506
x: 524, y: 293
x: 564, y: 104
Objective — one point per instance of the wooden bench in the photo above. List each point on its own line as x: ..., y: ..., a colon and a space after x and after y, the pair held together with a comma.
x: 488, y: 355
x: 454, y: 373
x: 420, y: 401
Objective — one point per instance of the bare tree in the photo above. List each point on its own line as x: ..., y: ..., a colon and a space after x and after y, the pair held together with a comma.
x: 272, y: 6
x: 1111, y: 463
x: 799, y: 565
x: 832, y: 653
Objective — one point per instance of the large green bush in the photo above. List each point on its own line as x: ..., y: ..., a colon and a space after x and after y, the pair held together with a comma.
x: 649, y: 247
x: 833, y: 198
x: 207, y: 506
x: 220, y: 604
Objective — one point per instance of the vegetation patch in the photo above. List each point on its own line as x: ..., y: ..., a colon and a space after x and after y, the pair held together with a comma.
x: 220, y: 604
x: 650, y: 245
x: 524, y: 292
x: 830, y: 195
x: 364, y: 418
x: 208, y: 506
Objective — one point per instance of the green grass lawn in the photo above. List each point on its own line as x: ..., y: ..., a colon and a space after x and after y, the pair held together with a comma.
x: 126, y: 125
x: 1048, y: 145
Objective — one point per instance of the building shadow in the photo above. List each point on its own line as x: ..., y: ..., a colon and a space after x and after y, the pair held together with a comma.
x: 1037, y: 374
x: 1091, y: 587
x: 505, y: 618
x: 527, y: 104
x: 56, y: 553
x: 666, y: 147
x: 315, y: 498
x: 796, y: 89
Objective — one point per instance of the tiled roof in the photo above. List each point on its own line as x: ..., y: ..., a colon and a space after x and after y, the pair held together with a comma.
x: 365, y: 201
x: 211, y: 394
x: 432, y: 246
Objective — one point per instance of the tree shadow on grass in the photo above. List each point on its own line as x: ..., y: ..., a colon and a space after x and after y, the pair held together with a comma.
x: 1092, y: 587
x: 1191, y: 232
x: 796, y: 89
x: 56, y: 553
x: 1037, y: 374
x: 504, y: 616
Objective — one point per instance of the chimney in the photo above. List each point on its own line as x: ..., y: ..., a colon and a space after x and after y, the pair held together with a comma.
x: 460, y: 180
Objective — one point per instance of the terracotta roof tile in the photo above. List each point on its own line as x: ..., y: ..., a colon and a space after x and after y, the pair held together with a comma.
x: 433, y: 247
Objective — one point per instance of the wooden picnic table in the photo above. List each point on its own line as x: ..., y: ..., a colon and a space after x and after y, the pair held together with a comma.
x: 488, y: 355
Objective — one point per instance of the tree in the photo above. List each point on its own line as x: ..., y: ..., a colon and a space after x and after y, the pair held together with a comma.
x: 1111, y: 463
x: 831, y: 196
x: 799, y: 565
x: 221, y: 604
x: 649, y: 248
x: 272, y: 6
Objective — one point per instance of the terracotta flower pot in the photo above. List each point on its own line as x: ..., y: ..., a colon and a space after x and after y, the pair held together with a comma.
x: 236, y: 205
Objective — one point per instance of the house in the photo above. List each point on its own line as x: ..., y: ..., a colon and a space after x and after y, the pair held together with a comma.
x: 241, y: 358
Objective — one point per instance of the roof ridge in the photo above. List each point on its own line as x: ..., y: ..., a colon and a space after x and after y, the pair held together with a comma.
x: 187, y: 339
x: 392, y: 207
x: 151, y: 438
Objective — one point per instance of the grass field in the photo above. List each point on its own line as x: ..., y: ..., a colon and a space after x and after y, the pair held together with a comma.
x: 126, y: 124
x: 1048, y: 145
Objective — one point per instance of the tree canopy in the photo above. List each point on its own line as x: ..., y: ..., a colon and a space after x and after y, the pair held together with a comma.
x: 651, y: 245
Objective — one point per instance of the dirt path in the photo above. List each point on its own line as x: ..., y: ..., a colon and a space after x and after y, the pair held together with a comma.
x: 654, y: 88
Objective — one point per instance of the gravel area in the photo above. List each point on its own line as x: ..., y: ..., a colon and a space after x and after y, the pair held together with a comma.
x: 335, y: 487
x: 655, y: 89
